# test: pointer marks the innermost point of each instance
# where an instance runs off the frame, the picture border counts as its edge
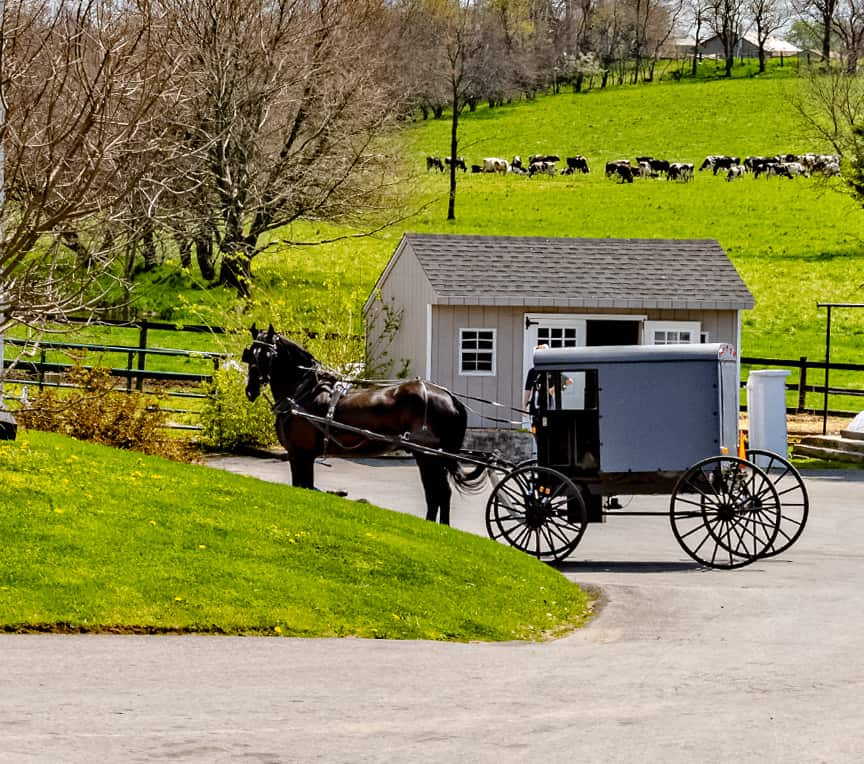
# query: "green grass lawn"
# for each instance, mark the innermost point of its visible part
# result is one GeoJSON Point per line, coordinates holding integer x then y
{"type": "Point", "coordinates": [98, 539]}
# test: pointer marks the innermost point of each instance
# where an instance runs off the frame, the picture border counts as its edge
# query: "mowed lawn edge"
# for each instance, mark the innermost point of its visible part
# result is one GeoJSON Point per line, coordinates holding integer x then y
{"type": "Point", "coordinates": [104, 540]}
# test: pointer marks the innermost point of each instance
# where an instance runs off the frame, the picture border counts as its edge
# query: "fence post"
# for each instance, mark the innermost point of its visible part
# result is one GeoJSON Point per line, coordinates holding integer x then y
{"type": "Point", "coordinates": [42, 356]}
{"type": "Point", "coordinates": [142, 344]}
{"type": "Point", "coordinates": [802, 384]}
{"type": "Point", "coordinates": [129, 357]}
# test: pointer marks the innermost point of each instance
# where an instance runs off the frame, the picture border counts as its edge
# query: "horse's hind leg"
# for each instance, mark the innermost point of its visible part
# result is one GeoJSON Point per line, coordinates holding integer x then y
{"type": "Point", "coordinates": [303, 471]}
{"type": "Point", "coordinates": [433, 475]}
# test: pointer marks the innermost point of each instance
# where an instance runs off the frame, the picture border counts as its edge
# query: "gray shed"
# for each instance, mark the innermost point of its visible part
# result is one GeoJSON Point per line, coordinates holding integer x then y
{"type": "Point", "coordinates": [470, 310]}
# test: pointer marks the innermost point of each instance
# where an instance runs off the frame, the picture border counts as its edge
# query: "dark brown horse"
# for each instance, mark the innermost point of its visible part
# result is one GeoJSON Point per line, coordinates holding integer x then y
{"type": "Point", "coordinates": [414, 412]}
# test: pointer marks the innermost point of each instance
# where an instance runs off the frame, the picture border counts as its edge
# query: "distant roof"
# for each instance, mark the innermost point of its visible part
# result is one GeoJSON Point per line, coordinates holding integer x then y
{"type": "Point", "coordinates": [773, 45]}
{"type": "Point", "coordinates": [569, 272]}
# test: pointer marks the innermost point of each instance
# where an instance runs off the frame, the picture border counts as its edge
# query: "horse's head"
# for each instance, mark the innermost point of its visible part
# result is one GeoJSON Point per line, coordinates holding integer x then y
{"type": "Point", "coordinates": [273, 357]}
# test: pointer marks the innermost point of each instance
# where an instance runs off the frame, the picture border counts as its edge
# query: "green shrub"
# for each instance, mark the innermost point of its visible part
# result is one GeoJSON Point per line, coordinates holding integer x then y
{"type": "Point", "coordinates": [96, 412]}
{"type": "Point", "coordinates": [229, 420]}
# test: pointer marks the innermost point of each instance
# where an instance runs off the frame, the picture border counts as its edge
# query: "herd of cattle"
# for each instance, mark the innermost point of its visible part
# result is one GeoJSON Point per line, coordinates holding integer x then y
{"type": "Point", "coordinates": [625, 171]}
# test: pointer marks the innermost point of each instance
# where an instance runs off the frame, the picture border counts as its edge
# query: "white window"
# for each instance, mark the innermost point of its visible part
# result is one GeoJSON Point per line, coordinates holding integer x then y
{"type": "Point", "coordinates": [671, 332]}
{"type": "Point", "coordinates": [477, 352]}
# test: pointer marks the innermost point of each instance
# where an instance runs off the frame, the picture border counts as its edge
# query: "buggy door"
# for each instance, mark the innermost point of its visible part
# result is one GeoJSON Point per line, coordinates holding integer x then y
{"type": "Point", "coordinates": [568, 428]}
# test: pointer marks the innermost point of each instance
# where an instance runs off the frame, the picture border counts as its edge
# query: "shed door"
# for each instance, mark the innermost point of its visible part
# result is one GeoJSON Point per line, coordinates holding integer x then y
{"type": "Point", "coordinates": [556, 331]}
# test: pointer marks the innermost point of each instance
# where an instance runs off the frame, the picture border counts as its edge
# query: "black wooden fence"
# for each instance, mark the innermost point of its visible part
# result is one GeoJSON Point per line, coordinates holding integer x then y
{"type": "Point", "coordinates": [134, 374]}
{"type": "Point", "coordinates": [803, 384]}
{"type": "Point", "coordinates": [42, 373]}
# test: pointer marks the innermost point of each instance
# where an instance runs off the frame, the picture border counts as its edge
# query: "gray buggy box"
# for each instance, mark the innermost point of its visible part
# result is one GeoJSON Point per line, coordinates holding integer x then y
{"type": "Point", "coordinates": [656, 408]}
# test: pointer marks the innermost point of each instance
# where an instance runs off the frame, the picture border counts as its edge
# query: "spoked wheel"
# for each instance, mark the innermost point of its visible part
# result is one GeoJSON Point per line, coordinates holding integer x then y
{"type": "Point", "coordinates": [725, 512]}
{"type": "Point", "coordinates": [537, 510]}
{"type": "Point", "coordinates": [794, 502]}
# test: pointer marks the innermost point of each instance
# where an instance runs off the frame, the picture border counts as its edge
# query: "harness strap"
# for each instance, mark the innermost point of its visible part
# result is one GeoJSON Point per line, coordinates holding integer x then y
{"type": "Point", "coordinates": [339, 389]}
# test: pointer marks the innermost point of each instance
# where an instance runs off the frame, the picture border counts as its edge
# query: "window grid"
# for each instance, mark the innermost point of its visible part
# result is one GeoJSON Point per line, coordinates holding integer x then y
{"type": "Point", "coordinates": [556, 336]}
{"type": "Point", "coordinates": [477, 352]}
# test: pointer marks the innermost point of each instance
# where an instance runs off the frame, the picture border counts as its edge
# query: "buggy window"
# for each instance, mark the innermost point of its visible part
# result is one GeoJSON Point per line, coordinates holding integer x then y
{"type": "Point", "coordinates": [571, 390]}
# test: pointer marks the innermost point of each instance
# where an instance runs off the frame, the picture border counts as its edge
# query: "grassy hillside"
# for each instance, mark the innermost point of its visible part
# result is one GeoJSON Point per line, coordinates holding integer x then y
{"type": "Point", "coordinates": [99, 539]}
{"type": "Point", "coordinates": [794, 242]}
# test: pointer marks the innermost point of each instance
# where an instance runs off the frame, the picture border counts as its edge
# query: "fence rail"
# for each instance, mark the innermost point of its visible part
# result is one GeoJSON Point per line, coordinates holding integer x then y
{"type": "Point", "coordinates": [44, 373]}
{"type": "Point", "coordinates": [802, 386]}
{"type": "Point", "coordinates": [135, 373]}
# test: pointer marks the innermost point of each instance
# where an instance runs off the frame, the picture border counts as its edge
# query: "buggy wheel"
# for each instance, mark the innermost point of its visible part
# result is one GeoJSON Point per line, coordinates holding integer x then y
{"type": "Point", "coordinates": [794, 502]}
{"type": "Point", "coordinates": [538, 511]}
{"type": "Point", "coordinates": [725, 512]}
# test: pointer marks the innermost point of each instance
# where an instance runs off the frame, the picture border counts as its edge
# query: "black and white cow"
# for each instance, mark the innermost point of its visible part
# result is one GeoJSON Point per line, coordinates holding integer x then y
{"type": "Point", "coordinates": [459, 162]}
{"type": "Point", "coordinates": [544, 167]}
{"type": "Point", "coordinates": [735, 171]}
{"type": "Point", "coordinates": [576, 164]}
{"type": "Point", "coordinates": [434, 163]}
{"type": "Point", "coordinates": [621, 169]}
{"type": "Point", "coordinates": [683, 171]}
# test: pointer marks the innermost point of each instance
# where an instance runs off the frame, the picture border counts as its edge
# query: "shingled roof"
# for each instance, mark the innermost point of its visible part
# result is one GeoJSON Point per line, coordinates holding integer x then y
{"type": "Point", "coordinates": [588, 273]}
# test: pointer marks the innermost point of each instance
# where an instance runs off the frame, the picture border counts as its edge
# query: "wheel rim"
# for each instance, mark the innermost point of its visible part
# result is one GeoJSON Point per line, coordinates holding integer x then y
{"type": "Point", "coordinates": [538, 511]}
{"type": "Point", "coordinates": [725, 512]}
{"type": "Point", "coordinates": [794, 501]}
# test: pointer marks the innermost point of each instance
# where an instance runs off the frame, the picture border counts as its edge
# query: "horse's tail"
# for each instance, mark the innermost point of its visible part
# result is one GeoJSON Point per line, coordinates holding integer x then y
{"type": "Point", "coordinates": [465, 481]}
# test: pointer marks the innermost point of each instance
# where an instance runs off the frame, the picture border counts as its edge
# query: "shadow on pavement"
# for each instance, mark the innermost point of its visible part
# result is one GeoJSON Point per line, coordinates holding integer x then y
{"type": "Point", "coordinates": [621, 566]}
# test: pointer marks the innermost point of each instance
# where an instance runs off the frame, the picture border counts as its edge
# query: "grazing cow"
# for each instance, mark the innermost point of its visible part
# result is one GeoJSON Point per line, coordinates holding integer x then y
{"type": "Point", "coordinates": [735, 171]}
{"type": "Point", "coordinates": [659, 166]}
{"type": "Point", "coordinates": [494, 164]}
{"type": "Point", "coordinates": [751, 162]}
{"type": "Point", "coordinates": [434, 163]}
{"type": "Point", "coordinates": [543, 158]}
{"type": "Point", "coordinates": [682, 171]}
{"type": "Point", "coordinates": [644, 169]}
{"type": "Point", "coordinates": [830, 169]}
{"type": "Point", "coordinates": [717, 162]}
{"type": "Point", "coordinates": [518, 170]}
{"type": "Point", "coordinates": [786, 169]}
{"type": "Point", "coordinates": [535, 168]}
{"type": "Point", "coordinates": [621, 169]}
{"type": "Point", "coordinates": [459, 162]}
{"type": "Point", "coordinates": [724, 163]}
{"type": "Point", "coordinates": [475, 168]}
{"type": "Point", "coordinates": [763, 167]}
{"type": "Point", "coordinates": [576, 164]}
{"type": "Point", "coordinates": [517, 162]}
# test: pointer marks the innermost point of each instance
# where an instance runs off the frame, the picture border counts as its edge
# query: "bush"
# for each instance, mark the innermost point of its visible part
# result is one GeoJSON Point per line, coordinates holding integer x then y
{"type": "Point", "coordinates": [229, 420]}
{"type": "Point", "coordinates": [99, 413]}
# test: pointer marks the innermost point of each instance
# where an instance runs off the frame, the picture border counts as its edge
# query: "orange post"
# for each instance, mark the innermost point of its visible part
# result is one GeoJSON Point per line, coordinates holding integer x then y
{"type": "Point", "coordinates": [742, 445]}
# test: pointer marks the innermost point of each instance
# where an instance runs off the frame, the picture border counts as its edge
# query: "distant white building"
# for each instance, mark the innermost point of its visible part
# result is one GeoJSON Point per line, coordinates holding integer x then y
{"type": "Point", "coordinates": [748, 47]}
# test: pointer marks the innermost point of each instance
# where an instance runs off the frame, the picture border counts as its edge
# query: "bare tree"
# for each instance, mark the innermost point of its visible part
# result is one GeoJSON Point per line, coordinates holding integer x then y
{"type": "Point", "coordinates": [821, 13]}
{"type": "Point", "coordinates": [848, 23]}
{"type": "Point", "coordinates": [283, 103]}
{"type": "Point", "coordinates": [81, 85]}
{"type": "Point", "coordinates": [725, 20]}
{"type": "Point", "coordinates": [767, 16]}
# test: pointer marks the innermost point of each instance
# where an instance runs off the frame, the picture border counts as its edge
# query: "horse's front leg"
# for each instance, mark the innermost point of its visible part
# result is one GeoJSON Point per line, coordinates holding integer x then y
{"type": "Point", "coordinates": [303, 472]}
{"type": "Point", "coordinates": [436, 486]}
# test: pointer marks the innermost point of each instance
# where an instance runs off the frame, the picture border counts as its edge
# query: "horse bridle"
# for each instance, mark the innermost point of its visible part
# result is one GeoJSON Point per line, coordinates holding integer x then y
{"type": "Point", "coordinates": [263, 376]}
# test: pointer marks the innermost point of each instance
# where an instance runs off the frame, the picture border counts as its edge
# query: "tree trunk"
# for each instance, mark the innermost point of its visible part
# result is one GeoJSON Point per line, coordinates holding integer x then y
{"type": "Point", "coordinates": [148, 241]}
{"type": "Point", "coordinates": [236, 269]}
{"type": "Point", "coordinates": [454, 144]}
{"type": "Point", "coordinates": [761, 59]}
{"type": "Point", "coordinates": [826, 43]}
{"type": "Point", "coordinates": [204, 254]}
{"type": "Point", "coordinates": [184, 249]}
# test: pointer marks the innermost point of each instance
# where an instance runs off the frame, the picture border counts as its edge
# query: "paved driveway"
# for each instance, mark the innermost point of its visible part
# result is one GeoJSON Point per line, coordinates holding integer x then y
{"type": "Point", "coordinates": [683, 664]}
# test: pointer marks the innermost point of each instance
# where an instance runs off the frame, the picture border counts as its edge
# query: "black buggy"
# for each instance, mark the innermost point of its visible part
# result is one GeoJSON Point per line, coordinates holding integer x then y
{"type": "Point", "coordinates": [614, 421]}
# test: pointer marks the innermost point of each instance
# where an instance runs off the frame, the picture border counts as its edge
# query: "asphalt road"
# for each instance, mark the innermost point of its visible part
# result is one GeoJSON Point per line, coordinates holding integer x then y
{"type": "Point", "coordinates": [682, 664]}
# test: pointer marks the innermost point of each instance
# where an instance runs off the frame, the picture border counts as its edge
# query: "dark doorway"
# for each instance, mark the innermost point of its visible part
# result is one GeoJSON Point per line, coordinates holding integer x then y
{"type": "Point", "coordinates": [612, 333]}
